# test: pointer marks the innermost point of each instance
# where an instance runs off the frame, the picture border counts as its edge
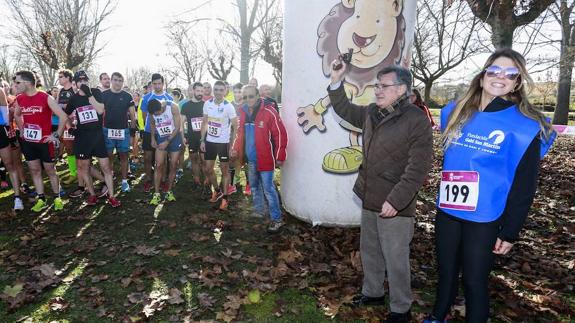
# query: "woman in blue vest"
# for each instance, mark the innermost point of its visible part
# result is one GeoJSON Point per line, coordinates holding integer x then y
{"type": "Point", "coordinates": [493, 140]}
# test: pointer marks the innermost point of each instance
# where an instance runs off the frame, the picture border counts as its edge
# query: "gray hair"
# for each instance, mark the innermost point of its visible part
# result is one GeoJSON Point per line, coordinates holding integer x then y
{"type": "Point", "coordinates": [402, 75]}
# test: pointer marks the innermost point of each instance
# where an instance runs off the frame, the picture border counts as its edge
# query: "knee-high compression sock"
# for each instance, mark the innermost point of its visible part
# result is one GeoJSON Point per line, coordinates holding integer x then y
{"type": "Point", "coordinates": [72, 165]}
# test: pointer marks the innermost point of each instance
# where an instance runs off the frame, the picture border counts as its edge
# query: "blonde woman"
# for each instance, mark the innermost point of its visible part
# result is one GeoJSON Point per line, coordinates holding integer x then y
{"type": "Point", "coordinates": [493, 140]}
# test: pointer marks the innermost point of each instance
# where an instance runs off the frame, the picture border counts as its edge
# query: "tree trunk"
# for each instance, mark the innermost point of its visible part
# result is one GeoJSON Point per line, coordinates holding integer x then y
{"type": "Point", "coordinates": [427, 91]}
{"type": "Point", "coordinates": [566, 62]}
{"type": "Point", "coordinates": [502, 34]}
{"type": "Point", "coordinates": [245, 60]}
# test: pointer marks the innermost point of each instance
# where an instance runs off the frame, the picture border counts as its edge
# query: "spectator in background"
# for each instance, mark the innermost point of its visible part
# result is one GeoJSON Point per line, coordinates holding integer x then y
{"type": "Point", "coordinates": [207, 91]}
{"type": "Point", "coordinates": [253, 82]}
{"type": "Point", "coordinates": [229, 93]}
{"type": "Point", "coordinates": [265, 92]}
{"type": "Point", "coordinates": [418, 101]}
{"type": "Point", "coordinates": [104, 82]}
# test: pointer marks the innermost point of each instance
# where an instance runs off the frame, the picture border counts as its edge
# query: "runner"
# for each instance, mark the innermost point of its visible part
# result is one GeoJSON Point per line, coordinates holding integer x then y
{"type": "Point", "coordinates": [157, 93]}
{"type": "Point", "coordinates": [219, 117]}
{"type": "Point", "coordinates": [166, 138]}
{"type": "Point", "coordinates": [207, 91]}
{"type": "Point", "coordinates": [6, 150]}
{"type": "Point", "coordinates": [33, 114]}
{"type": "Point", "coordinates": [104, 82]}
{"type": "Point", "coordinates": [118, 105]}
{"type": "Point", "coordinates": [67, 91]}
{"type": "Point", "coordinates": [89, 137]}
{"type": "Point", "coordinates": [193, 111]}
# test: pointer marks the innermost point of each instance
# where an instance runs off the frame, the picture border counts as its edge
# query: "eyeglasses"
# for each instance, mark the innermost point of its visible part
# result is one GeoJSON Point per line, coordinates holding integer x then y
{"type": "Point", "coordinates": [379, 86]}
{"type": "Point", "coordinates": [511, 73]}
{"type": "Point", "coordinates": [251, 96]}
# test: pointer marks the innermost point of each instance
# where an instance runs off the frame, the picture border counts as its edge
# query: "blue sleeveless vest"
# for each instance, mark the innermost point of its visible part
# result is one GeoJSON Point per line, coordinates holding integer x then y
{"type": "Point", "coordinates": [4, 121]}
{"type": "Point", "coordinates": [479, 167]}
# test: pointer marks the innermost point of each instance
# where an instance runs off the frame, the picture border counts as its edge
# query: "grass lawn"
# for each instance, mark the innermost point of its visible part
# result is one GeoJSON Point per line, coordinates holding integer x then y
{"type": "Point", "coordinates": [163, 264]}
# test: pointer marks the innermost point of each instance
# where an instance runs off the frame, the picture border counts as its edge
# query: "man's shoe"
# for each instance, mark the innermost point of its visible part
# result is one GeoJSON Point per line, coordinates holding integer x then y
{"type": "Point", "coordinates": [125, 187]}
{"type": "Point", "coordinates": [362, 300]}
{"type": "Point", "coordinates": [170, 197]}
{"type": "Point", "coordinates": [69, 180]}
{"type": "Point", "coordinates": [231, 189]}
{"type": "Point", "coordinates": [18, 205]}
{"type": "Point", "coordinates": [147, 187]}
{"type": "Point", "coordinates": [92, 200]}
{"type": "Point", "coordinates": [275, 226]}
{"type": "Point", "coordinates": [77, 193]}
{"type": "Point", "coordinates": [155, 199]}
{"type": "Point", "coordinates": [58, 204]}
{"type": "Point", "coordinates": [114, 202]}
{"type": "Point", "coordinates": [223, 205]}
{"type": "Point", "coordinates": [103, 192]}
{"type": "Point", "coordinates": [216, 196]}
{"type": "Point", "coordinates": [398, 317]}
{"type": "Point", "coordinates": [40, 204]}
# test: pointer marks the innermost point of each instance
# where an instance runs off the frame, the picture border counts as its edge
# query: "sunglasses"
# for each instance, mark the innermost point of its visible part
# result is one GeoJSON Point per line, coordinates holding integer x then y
{"type": "Point", "coordinates": [251, 96]}
{"type": "Point", "coordinates": [511, 73]}
{"type": "Point", "coordinates": [379, 86]}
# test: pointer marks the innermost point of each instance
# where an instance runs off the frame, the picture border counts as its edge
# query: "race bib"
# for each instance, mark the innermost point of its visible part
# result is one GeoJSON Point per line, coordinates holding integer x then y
{"type": "Point", "coordinates": [116, 134]}
{"type": "Point", "coordinates": [165, 130]}
{"type": "Point", "coordinates": [214, 129]}
{"type": "Point", "coordinates": [87, 114]}
{"type": "Point", "coordinates": [67, 136]}
{"type": "Point", "coordinates": [459, 190]}
{"type": "Point", "coordinates": [196, 124]}
{"type": "Point", "coordinates": [32, 133]}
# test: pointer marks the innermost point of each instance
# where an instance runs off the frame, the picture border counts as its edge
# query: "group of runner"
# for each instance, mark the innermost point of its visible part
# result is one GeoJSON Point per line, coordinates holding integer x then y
{"type": "Point", "coordinates": [106, 123]}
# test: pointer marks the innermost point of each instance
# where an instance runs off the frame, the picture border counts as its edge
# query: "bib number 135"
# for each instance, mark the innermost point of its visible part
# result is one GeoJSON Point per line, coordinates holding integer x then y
{"type": "Point", "coordinates": [459, 190]}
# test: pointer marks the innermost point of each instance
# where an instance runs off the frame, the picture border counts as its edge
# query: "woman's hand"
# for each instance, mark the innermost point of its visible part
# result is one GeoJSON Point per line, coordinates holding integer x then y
{"type": "Point", "coordinates": [502, 247]}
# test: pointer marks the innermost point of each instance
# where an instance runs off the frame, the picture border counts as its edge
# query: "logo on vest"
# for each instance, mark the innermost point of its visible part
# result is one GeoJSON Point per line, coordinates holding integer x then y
{"type": "Point", "coordinates": [32, 110]}
{"type": "Point", "coordinates": [498, 135]}
{"type": "Point", "coordinates": [489, 144]}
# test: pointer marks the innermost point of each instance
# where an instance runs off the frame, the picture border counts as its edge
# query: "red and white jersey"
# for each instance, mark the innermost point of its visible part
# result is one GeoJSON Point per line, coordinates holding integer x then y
{"type": "Point", "coordinates": [36, 116]}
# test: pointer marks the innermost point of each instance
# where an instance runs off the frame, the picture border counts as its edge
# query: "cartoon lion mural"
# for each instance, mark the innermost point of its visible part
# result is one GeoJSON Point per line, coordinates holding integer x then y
{"type": "Point", "coordinates": [375, 30]}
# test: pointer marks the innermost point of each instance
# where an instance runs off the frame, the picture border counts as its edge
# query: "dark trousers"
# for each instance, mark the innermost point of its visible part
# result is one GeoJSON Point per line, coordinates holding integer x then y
{"type": "Point", "coordinates": [465, 247]}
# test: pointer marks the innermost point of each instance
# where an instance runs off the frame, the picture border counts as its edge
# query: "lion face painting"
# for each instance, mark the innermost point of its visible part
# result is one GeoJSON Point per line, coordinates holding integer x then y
{"type": "Point", "coordinates": [374, 29]}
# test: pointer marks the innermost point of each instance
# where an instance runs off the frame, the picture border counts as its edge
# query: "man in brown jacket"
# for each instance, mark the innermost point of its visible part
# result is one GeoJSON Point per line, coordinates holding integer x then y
{"type": "Point", "coordinates": [397, 156]}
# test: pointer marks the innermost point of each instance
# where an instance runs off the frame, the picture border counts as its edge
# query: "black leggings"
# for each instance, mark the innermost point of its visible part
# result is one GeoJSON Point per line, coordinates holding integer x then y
{"type": "Point", "coordinates": [467, 247]}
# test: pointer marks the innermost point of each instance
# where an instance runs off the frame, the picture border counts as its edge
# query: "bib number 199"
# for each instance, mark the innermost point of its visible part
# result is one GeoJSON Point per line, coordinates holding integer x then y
{"type": "Point", "coordinates": [459, 190]}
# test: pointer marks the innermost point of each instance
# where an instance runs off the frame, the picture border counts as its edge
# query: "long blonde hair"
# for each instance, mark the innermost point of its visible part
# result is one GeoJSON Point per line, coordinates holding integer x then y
{"type": "Point", "coordinates": [469, 103]}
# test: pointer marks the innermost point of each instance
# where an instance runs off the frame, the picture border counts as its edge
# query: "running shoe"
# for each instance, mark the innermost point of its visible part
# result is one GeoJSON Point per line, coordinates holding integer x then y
{"type": "Point", "coordinates": [147, 187]}
{"type": "Point", "coordinates": [114, 202]}
{"type": "Point", "coordinates": [58, 204]}
{"type": "Point", "coordinates": [79, 192]}
{"type": "Point", "coordinates": [216, 196]}
{"type": "Point", "coordinates": [4, 185]}
{"type": "Point", "coordinates": [18, 205]}
{"type": "Point", "coordinates": [248, 190]}
{"type": "Point", "coordinates": [40, 204]}
{"type": "Point", "coordinates": [92, 200]}
{"type": "Point", "coordinates": [275, 226]}
{"type": "Point", "coordinates": [231, 189]}
{"type": "Point", "coordinates": [125, 187]}
{"type": "Point", "coordinates": [155, 199]}
{"type": "Point", "coordinates": [170, 196]}
{"type": "Point", "coordinates": [179, 174]}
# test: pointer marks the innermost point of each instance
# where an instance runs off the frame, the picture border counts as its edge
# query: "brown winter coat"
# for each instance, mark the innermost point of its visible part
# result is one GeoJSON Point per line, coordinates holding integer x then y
{"type": "Point", "coordinates": [397, 153]}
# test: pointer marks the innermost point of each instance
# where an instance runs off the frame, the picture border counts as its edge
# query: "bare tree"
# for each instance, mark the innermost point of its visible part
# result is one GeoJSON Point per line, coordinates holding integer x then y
{"type": "Point", "coordinates": [184, 51]}
{"type": "Point", "coordinates": [271, 43]}
{"type": "Point", "coordinates": [220, 61]}
{"type": "Point", "coordinates": [563, 13]}
{"type": "Point", "coordinates": [445, 36]}
{"type": "Point", "coordinates": [504, 16]}
{"type": "Point", "coordinates": [60, 33]}
{"type": "Point", "coordinates": [137, 77]}
{"type": "Point", "coordinates": [251, 15]}
{"type": "Point", "coordinates": [545, 88]}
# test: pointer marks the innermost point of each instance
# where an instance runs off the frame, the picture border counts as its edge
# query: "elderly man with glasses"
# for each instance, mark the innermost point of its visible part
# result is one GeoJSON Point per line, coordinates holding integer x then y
{"type": "Point", "coordinates": [397, 156]}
